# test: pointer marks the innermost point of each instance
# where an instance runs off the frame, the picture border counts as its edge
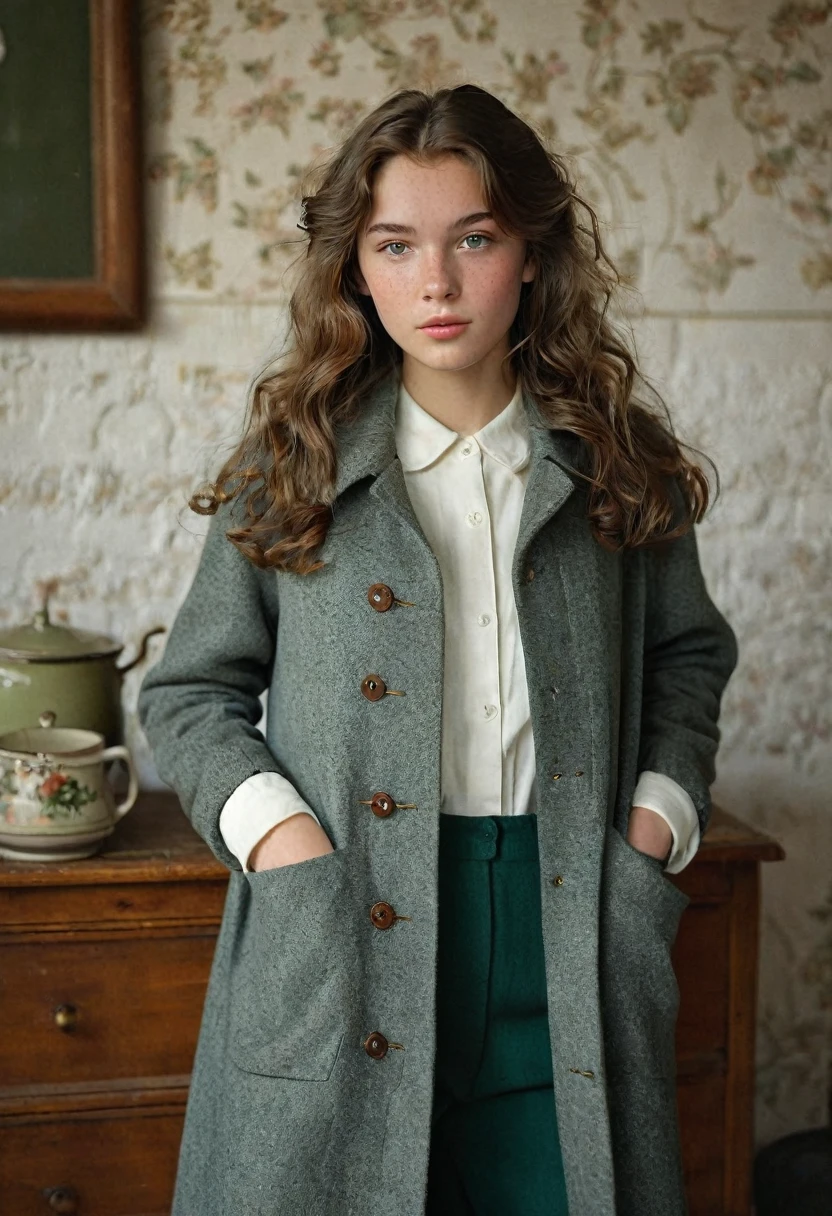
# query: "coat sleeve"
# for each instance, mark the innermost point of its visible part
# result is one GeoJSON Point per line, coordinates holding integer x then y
{"type": "Point", "coordinates": [690, 651]}
{"type": "Point", "coordinates": [200, 704]}
{"type": "Point", "coordinates": [258, 805]}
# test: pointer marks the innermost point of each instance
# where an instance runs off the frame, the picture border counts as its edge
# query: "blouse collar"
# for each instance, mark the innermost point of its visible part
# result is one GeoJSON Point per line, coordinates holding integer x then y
{"type": "Point", "coordinates": [421, 439]}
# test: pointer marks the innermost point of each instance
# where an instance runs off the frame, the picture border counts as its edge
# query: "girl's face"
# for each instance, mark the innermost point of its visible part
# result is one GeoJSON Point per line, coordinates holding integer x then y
{"type": "Point", "coordinates": [429, 248]}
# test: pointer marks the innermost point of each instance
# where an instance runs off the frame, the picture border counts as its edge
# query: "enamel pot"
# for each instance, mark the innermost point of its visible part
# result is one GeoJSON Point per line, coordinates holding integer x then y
{"type": "Point", "coordinates": [70, 673]}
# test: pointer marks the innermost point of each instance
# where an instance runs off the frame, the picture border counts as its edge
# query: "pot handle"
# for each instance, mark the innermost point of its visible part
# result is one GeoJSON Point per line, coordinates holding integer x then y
{"type": "Point", "coordinates": [142, 649]}
{"type": "Point", "coordinates": [121, 753]}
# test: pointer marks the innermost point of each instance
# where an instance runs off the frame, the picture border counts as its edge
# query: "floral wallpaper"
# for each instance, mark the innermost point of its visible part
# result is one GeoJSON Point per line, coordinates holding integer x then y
{"type": "Point", "coordinates": [241, 97]}
{"type": "Point", "coordinates": [701, 133]}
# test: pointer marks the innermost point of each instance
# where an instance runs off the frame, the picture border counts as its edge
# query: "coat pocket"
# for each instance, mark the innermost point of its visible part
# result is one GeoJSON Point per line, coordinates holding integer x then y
{"type": "Point", "coordinates": [295, 969]}
{"type": "Point", "coordinates": [640, 912]}
{"type": "Point", "coordinates": [647, 877]}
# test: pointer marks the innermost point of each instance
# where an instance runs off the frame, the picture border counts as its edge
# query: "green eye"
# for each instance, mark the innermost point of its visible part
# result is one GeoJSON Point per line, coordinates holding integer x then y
{"type": "Point", "coordinates": [472, 236]}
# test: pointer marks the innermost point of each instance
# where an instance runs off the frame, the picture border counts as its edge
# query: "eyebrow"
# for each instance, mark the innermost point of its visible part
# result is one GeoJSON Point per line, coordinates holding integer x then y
{"type": "Point", "coordinates": [405, 230]}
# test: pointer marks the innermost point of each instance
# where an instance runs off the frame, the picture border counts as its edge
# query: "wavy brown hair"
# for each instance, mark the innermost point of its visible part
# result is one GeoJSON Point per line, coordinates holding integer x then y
{"type": "Point", "coordinates": [572, 360]}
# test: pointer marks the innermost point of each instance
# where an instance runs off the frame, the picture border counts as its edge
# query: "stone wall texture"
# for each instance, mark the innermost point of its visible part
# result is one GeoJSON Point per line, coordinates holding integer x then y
{"type": "Point", "coordinates": [701, 133]}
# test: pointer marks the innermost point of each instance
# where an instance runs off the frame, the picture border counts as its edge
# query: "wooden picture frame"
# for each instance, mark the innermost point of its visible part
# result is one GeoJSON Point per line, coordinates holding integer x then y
{"type": "Point", "coordinates": [71, 244]}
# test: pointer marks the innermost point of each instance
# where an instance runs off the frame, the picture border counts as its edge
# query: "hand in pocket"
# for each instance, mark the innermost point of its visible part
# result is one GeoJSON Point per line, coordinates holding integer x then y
{"type": "Point", "coordinates": [649, 832]}
{"type": "Point", "coordinates": [298, 838]}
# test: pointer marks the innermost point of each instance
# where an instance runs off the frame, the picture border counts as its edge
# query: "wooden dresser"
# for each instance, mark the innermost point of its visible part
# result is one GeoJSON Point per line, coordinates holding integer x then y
{"type": "Point", "coordinates": [103, 968]}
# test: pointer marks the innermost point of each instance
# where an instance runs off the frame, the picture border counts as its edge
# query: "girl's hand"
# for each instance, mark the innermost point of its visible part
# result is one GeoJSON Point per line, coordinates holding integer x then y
{"type": "Point", "coordinates": [297, 838]}
{"type": "Point", "coordinates": [648, 832]}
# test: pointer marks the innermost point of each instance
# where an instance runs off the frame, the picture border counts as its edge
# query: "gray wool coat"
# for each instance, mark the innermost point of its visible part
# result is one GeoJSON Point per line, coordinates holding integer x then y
{"type": "Point", "coordinates": [626, 658]}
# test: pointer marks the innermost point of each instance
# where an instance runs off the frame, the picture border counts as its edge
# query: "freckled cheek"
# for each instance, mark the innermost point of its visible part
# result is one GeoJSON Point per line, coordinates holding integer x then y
{"type": "Point", "coordinates": [495, 288]}
{"type": "Point", "coordinates": [393, 287]}
{"type": "Point", "coordinates": [391, 293]}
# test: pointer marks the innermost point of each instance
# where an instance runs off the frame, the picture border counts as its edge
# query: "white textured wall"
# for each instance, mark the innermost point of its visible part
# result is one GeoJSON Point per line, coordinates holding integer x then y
{"type": "Point", "coordinates": [701, 133]}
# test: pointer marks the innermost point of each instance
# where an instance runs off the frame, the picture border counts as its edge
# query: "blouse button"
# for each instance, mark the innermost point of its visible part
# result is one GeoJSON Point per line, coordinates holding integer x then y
{"type": "Point", "coordinates": [373, 687]}
{"type": "Point", "coordinates": [474, 518]}
{"type": "Point", "coordinates": [380, 597]}
{"type": "Point", "coordinates": [483, 618]}
{"type": "Point", "coordinates": [382, 805]}
{"type": "Point", "coordinates": [375, 1045]}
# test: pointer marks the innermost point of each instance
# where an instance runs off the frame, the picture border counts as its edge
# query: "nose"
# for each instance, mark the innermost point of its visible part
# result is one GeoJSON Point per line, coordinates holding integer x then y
{"type": "Point", "coordinates": [439, 277]}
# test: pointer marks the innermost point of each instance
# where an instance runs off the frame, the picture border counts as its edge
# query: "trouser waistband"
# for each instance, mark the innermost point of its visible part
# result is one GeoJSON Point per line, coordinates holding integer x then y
{"type": "Point", "coordinates": [487, 837]}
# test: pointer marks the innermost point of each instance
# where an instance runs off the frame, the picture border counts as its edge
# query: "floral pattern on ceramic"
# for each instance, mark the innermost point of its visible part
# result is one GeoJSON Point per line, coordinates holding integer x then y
{"type": "Point", "coordinates": [42, 793]}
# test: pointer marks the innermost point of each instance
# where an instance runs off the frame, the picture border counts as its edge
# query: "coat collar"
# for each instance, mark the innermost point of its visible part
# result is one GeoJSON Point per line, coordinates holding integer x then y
{"type": "Point", "coordinates": [367, 448]}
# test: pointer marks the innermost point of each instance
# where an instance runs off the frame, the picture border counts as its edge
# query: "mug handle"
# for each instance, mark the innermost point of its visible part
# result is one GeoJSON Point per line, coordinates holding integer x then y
{"type": "Point", "coordinates": [121, 753]}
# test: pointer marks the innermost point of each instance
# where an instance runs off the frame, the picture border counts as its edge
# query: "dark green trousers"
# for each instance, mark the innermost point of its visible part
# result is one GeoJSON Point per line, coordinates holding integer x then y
{"type": "Point", "coordinates": [494, 1140]}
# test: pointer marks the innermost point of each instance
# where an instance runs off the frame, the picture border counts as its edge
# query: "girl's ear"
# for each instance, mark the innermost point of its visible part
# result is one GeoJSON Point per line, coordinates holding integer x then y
{"type": "Point", "coordinates": [529, 269]}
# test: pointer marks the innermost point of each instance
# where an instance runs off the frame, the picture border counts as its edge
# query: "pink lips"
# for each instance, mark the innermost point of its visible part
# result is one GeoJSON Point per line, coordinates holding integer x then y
{"type": "Point", "coordinates": [444, 331]}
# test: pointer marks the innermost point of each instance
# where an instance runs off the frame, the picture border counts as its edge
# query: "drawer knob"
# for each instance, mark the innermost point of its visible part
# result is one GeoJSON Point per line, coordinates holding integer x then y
{"type": "Point", "coordinates": [66, 1016]}
{"type": "Point", "coordinates": [62, 1199]}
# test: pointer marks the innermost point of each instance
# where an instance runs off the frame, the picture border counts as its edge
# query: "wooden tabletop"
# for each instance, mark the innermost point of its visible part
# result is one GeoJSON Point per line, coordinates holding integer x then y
{"type": "Point", "coordinates": [154, 842]}
{"type": "Point", "coordinates": [729, 838]}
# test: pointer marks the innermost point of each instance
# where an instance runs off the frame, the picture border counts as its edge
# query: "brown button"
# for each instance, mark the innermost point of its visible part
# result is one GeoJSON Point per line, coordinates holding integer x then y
{"type": "Point", "coordinates": [375, 1045]}
{"type": "Point", "coordinates": [382, 915]}
{"type": "Point", "coordinates": [373, 687]}
{"type": "Point", "coordinates": [380, 597]}
{"type": "Point", "coordinates": [530, 574]}
{"type": "Point", "coordinates": [382, 805]}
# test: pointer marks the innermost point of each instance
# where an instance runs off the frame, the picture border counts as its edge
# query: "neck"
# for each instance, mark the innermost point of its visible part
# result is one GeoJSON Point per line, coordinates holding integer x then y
{"type": "Point", "coordinates": [464, 400]}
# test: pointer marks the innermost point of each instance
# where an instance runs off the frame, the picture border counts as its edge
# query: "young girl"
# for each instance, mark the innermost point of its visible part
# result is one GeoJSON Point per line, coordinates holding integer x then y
{"type": "Point", "coordinates": [460, 556]}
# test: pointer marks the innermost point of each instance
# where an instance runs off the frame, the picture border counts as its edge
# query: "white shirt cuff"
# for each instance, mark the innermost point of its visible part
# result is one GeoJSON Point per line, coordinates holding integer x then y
{"type": "Point", "coordinates": [666, 797]}
{"type": "Point", "coordinates": [254, 808]}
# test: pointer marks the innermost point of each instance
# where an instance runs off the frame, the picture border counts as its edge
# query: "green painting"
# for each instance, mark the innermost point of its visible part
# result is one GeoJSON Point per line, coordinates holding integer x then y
{"type": "Point", "coordinates": [46, 187]}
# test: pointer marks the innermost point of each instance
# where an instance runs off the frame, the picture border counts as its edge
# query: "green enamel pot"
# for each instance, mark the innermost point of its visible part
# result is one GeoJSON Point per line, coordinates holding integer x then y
{"type": "Point", "coordinates": [72, 674]}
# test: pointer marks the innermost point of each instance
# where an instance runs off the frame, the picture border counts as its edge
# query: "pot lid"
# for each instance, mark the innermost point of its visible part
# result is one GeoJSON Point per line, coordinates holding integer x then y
{"type": "Point", "coordinates": [41, 641]}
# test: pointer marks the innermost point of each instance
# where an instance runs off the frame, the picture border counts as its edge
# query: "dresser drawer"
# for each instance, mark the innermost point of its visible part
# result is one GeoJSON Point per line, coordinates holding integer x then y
{"type": "Point", "coordinates": [81, 1009]}
{"type": "Point", "coordinates": [99, 1165]}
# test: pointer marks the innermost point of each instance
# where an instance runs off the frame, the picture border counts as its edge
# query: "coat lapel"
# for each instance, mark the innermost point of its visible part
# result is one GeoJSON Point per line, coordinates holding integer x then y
{"type": "Point", "coordinates": [551, 481]}
{"type": "Point", "coordinates": [368, 444]}
{"type": "Point", "coordinates": [367, 448]}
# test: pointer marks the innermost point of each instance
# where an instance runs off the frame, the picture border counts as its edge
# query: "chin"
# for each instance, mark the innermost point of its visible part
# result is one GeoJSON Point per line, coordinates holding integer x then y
{"type": "Point", "coordinates": [446, 357]}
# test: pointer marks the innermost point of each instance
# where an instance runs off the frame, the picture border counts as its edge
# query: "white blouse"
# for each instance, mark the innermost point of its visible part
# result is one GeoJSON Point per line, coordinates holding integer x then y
{"type": "Point", "coordinates": [467, 494]}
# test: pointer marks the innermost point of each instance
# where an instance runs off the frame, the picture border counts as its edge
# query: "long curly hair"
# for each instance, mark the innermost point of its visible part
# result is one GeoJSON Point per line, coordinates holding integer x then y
{"type": "Point", "coordinates": [572, 360]}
